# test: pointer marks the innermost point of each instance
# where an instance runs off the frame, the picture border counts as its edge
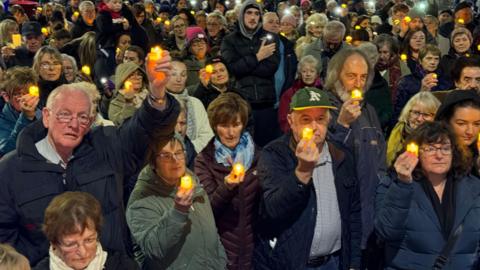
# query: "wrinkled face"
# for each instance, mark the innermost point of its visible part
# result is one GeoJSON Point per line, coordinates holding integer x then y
{"type": "Point", "coordinates": [181, 126]}
{"type": "Point", "coordinates": [50, 68]}
{"type": "Point", "coordinates": [78, 250]}
{"type": "Point", "coordinates": [114, 5]}
{"type": "Point", "coordinates": [179, 28]}
{"type": "Point", "coordinates": [170, 162]}
{"type": "Point", "coordinates": [199, 48]}
{"type": "Point", "coordinates": [354, 73]}
{"type": "Point", "coordinates": [316, 29]}
{"type": "Point", "coordinates": [68, 70]}
{"type": "Point", "coordinates": [178, 77]}
{"type": "Point", "coordinates": [469, 78]}
{"type": "Point", "coordinates": [251, 18]}
{"type": "Point", "coordinates": [384, 55]}
{"type": "Point", "coordinates": [230, 133]}
{"type": "Point", "coordinates": [418, 115]}
{"type": "Point", "coordinates": [89, 15]}
{"type": "Point", "coordinates": [430, 62]}
{"type": "Point", "coordinates": [308, 74]}
{"type": "Point", "coordinates": [461, 43]}
{"type": "Point", "coordinates": [220, 74]}
{"type": "Point", "coordinates": [436, 158]}
{"type": "Point", "coordinates": [124, 41]}
{"type": "Point", "coordinates": [132, 56]}
{"type": "Point", "coordinates": [286, 28]}
{"type": "Point", "coordinates": [332, 42]}
{"type": "Point", "coordinates": [271, 23]}
{"type": "Point", "coordinates": [314, 118]}
{"type": "Point", "coordinates": [466, 124]}
{"type": "Point", "coordinates": [68, 120]}
{"type": "Point", "coordinates": [213, 26]}
{"type": "Point", "coordinates": [417, 41]}
{"type": "Point", "coordinates": [33, 43]}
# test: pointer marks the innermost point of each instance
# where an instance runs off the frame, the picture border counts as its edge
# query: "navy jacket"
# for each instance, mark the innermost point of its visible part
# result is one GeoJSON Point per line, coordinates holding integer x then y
{"type": "Point", "coordinates": [288, 209]}
{"type": "Point", "coordinates": [406, 220]}
{"type": "Point", "coordinates": [11, 123]}
{"type": "Point", "coordinates": [105, 157]}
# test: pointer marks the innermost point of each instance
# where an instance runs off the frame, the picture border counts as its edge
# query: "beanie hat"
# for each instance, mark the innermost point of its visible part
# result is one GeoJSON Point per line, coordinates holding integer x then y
{"type": "Point", "coordinates": [124, 70]}
{"type": "Point", "coordinates": [195, 32]}
{"type": "Point", "coordinates": [290, 19]}
{"type": "Point", "coordinates": [305, 2]}
{"type": "Point", "coordinates": [462, 5]}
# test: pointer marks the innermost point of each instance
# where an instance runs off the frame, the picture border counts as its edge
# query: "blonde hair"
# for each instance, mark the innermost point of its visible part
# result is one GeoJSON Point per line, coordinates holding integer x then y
{"type": "Point", "coordinates": [4, 26]}
{"type": "Point", "coordinates": [10, 259]}
{"type": "Point", "coordinates": [427, 99]}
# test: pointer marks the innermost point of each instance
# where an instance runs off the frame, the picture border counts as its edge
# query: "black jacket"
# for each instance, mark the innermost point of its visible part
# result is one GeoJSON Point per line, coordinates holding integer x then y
{"type": "Point", "coordinates": [290, 63]}
{"type": "Point", "coordinates": [23, 57]}
{"type": "Point", "coordinates": [80, 28]}
{"type": "Point", "coordinates": [105, 157]}
{"type": "Point", "coordinates": [254, 80]}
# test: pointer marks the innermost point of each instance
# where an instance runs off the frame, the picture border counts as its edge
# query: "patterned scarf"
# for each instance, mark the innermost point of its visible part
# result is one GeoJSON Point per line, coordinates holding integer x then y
{"type": "Point", "coordinates": [98, 263]}
{"type": "Point", "coordinates": [243, 152]}
{"type": "Point", "coordinates": [394, 74]}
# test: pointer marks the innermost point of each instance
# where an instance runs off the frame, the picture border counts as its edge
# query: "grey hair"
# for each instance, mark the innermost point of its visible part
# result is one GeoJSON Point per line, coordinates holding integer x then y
{"type": "Point", "coordinates": [334, 28]}
{"type": "Point", "coordinates": [85, 4]}
{"type": "Point", "coordinates": [369, 49]}
{"type": "Point", "coordinates": [427, 99]}
{"type": "Point", "coordinates": [307, 60]}
{"type": "Point", "coordinates": [72, 60]}
{"type": "Point", "coordinates": [65, 89]}
{"type": "Point", "coordinates": [336, 64]}
{"type": "Point", "coordinates": [217, 15]}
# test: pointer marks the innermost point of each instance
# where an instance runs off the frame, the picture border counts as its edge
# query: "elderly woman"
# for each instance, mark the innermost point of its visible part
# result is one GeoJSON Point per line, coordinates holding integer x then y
{"type": "Point", "coordinates": [70, 69]}
{"type": "Point", "coordinates": [131, 89]}
{"type": "Point", "coordinates": [197, 130]}
{"type": "Point", "coordinates": [419, 109]}
{"type": "Point", "coordinates": [429, 197]}
{"type": "Point", "coordinates": [461, 112]}
{"type": "Point", "coordinates": [314, 29]}
{"type": "Point", "coordinates": [460, 45]}
{"type": "Point", "coordinates": [307, 75]}
{"type": "Point", "coordinates": [72, 224]}
{"type": "Point", "coordinates": [234, 196]}
{"type": "Point", "coordinates": [172, 223]}
{"type": "Point", "coordinates": [10, 259]}
{"type": "Point", "coordinates": [48, 64]}
{"type": "Point", "coordinates": [212, 85]}
{"type": "Point", "coordinates": [426, 77]}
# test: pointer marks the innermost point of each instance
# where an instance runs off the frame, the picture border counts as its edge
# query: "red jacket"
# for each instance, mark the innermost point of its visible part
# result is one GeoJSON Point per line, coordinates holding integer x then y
{"type": "Point", "coordinates": [235, 210]}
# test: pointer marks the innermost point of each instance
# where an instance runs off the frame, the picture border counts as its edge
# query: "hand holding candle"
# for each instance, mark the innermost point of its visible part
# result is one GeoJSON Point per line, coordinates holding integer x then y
{"type": "Point", "coordinates": [186, 183]}
{"type": "Point", "coordinates": [16, 40]}
{"type": "Point", "coordinates": [357, 94]}
{"type": "Point", "coordinates": [158, 71]}
{"type": "Point", "coordinates": [307, 133]}
{"type": "Point", "coordinates": [183, 198]}
{"type": "Point", "coordinates": [153, 57]}
{"type": "Point", "coordinates": [34, 91]}
{"type": "Point", "coordinates": [236, 176]}
{"type": "Point", "coordinates": [412, 148]}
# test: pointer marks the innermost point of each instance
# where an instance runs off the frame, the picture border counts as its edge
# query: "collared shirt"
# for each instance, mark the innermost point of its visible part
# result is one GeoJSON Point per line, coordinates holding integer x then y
{"type": "Point", "coordinates": [47, 150]}
{"type": "Point", "coordinates": [328, 227]}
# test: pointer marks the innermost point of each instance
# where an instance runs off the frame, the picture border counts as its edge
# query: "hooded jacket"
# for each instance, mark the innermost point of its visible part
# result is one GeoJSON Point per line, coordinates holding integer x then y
{"type": "Point", "coordinates": [254, 79]}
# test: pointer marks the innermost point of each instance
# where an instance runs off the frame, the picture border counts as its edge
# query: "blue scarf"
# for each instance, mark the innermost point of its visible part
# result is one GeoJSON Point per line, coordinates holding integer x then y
{"type": "Point", "coordinates": [243, 152]}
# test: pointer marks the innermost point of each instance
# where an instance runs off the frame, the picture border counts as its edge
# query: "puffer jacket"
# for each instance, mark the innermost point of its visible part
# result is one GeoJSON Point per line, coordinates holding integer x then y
{"type": "Point", "coordinates": [235, 210]}
{"type": "Point", "coordinates": [168, 238]}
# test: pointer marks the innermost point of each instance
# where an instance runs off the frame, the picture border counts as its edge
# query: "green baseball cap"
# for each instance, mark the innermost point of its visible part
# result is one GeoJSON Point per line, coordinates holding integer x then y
{"type": "Point", "coordinates": [310, 97]}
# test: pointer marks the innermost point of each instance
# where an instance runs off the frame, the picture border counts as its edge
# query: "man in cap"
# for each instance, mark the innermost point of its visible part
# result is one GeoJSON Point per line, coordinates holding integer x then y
{"type": "Point", "coordinates": [32, 40]}
{"type": "Point", "coordinates": [310, 209]}
{"type": "Point", "coordinates": [252, 57]}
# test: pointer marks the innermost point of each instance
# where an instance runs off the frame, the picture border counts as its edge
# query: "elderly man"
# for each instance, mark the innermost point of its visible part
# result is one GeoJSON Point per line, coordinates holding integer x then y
{"type": "Point", "coordinates": [66, 155]}
{"type": "Point", "coordinates": [356, 126]}
{"type": "Point", "coordinates": [310, 204]}
{"type": "Point", "coordinates": [251, 56]}
{"type": "Point", "coordinates": [86, 22]}
{"type": "Point", "coordinates": [325, 48]}
{"type": "Point", "coordinates": [23, 56]}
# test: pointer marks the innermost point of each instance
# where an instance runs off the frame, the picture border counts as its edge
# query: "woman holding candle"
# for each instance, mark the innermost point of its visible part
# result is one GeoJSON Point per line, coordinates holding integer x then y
{"type": "Point", "coordinates": [461, 112]}
{"type": "Point", "coordinates": [424, 202]}
{"type": "Point", "coordinates": [197, 53]}
{"type": "Point", "coordinates": [419, 109]}
{"type": "Point", "coordinates": [173, 226]}
{"type": "Point", "coordinates": [227, 169]}
{"type": "Point", "coordinates": [131, 89]}
{"type": "Point", "coordinates": [412, 44]}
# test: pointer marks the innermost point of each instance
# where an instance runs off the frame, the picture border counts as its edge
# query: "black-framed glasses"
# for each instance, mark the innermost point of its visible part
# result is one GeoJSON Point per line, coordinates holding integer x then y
{"type": "Point", "coordinates": [431, 150]}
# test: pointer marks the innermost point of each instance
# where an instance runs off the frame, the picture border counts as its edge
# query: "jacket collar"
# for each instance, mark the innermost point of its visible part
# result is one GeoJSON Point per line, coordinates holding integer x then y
{"type": "Point", "coordinates": [337, 155]}
{"type": "Point", "coordinates": [9, 113]}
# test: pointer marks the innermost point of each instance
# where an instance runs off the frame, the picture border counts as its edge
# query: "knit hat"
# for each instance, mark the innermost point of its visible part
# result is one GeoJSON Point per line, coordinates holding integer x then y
{"type": "Point", "coordinates": [310, 97]}
{"type": "Point", "coordinates": [290, 19]}
{"type": "Point", "coordinates": [463, 5]}
{"type": "Point", "coordinates": [305, 2]}
{"type": "Point", "coordinates": [124, 70]}
{"type": "Point", "coordinates": [453, 98]}
{"type": "Point", "coordinates": [195, 32]}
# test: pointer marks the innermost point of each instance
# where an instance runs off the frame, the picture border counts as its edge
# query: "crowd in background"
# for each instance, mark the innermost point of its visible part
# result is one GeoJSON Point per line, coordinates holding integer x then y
{"type": "Point", "coordinates": [246, 134]}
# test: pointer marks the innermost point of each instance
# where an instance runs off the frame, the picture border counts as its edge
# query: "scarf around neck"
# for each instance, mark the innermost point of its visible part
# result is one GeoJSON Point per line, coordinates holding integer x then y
{"type": "Point", "coordinates": [98, 263]}
{"type": "Point", "coordinates": [243, 152]}
{"type": "Point", "coordinates": [191, 119]}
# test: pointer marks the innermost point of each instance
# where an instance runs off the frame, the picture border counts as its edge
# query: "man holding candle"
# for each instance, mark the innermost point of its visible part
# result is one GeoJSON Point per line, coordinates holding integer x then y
{"type": "Point", "coordinates": [310, 209]}
{"type": "Point", "coordinates": [23, 56]}
{"type": "Point", "coordinates": [62, 153]}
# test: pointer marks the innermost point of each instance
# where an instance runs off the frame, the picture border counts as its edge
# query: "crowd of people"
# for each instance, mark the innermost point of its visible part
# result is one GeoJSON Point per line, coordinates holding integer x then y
{"type": "Point", "coordinates": [247, 134]}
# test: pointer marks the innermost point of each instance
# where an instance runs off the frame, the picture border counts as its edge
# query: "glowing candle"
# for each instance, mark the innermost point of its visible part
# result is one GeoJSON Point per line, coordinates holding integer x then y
{"type": "Point", "coordinates": [155, 55]}
{"type": "Point", "coordinates": [33, 91]}
{"type": "Point", "coordinates": [403, 57]}
{"type": "Point", "coordinates": [357, 27]}
{"type": "Point", "coordinates": [167, 23]}
{"type": "Point", "coordinates": [356, 93]}
{"type": "Point", "coordinates": [478, 47]}
{"type": "Point", "coordinates": [434, 75]}
{"type": "Point", "coordinates": [16, 40]}
{"type": "Point", "coordinates": [238, 169]}
{"type": "Point", "coordinates": [461, 21]}
{"type": "Point", "coordinates": [407, 19]}
{"type": "Point", "coordinates": [76, 14]}
{"type": "Point", "coordinates": [128, 86]}
{"type": "Point", "coordinates": [412, 148]}
{"type": "Point", "coordinates": [117, 50]}
{"type": "Point", "coordinates": [186, 183]}
{"type": "Point", "coordinates": [478, 141]}
{"type": "Point", "coordinates": [192, 12]}
{"type": "Point", "coordinates": [159, 20]}
{"type": "Point", "coordinates": [209, 69]}
{"type": "Point", "coordinates": [348, 39]}
{"type": "Point", "coordinates": [283, 34]}
{"type": "Point", "coordinates": [86, 70]}
{"type": "Point", "coordinates": [396, 22]}
{"type": "Point", "coordinates": [467, 55]}
{"type": "Point", "coordinates": [344, 5]}
{"type": "Point", "coordinates": [39, 8]}
{"type": "Point", "coordinates": [307, 133]}
{"type": "Point", "coordinates": [44, 31]}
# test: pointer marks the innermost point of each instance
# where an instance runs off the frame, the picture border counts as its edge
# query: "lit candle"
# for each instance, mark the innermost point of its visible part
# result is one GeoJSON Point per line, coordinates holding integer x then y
{"type": "Point", "coordinates": [86, 70]}
{"type": "Point", "coordinates": [238, 169]}
{"type": "Point", "coordinates": [478, 47]}
{"type": "Point", "coordinates": [348, 39]}
{"type": "Point", "coordinates": [283, 34]}
{"type": "Point", "coordinates": [356, 93]}
{"type": "Point", "coordinates": [192, 12]}
{"type": "Point", "coordinates": [434, 75]}
{"type": "Point", "coordinates": [16, 40]}
{"type": "Point", "coordinates": [343, 5]}
{"type": "Point", "coordinates": [117, 50]}
{"type": "Point", "coordinates": [407, 19]}
{"type": "Point", "coordinates": [167, 23]}
{"type": "Point", "coordinates": [186, 183]}
{"type": "Point", "coordinates": [33, 91]}
{"type": "Point", "coordinates": [412, 148]}
{"type": "Point", "coordinates": [307, 133]}
{"type": "Point", "coordinates": [357, 27]}
{"type": "Point", "coordinates": [403, 57]}
{"type": "Point", "coordinates": [128, 86]}
{"type": "Point", "coordinates": [76, 14]}
{"type": "Point", "coordinates": [159, 20]}
{"type": "Point", "coordinates": [155, 55]}
{"type": "Point", "coordinates": [396, 22]}
{"type": "Point", "coordinates": [478, 141]}
{"type": "Point", "coordinates": [209, 69]}
{"type": "Point", "coordinates": [44, 31]}
{"type": "Point", "coordinates": [461, 21]}
{"type": "Point", "coordinates": [39, 8]}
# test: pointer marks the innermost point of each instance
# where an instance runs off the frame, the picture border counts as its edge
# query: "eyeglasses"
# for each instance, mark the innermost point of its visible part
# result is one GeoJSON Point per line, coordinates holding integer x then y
{"type": "Point", "coordinates": [50, 65]}
{"type": "Point", "coordinates": [179, 26]}
{"type": "Point", "coordinates": [416, 114]}
{"type": "Point", "coordinates": [65, 118]}
{"type": "Point", "coordinates": [431, 150]}
{"type": "Point", "coordinates": [74, 246]}
{"type": "Point", "coordinates": [180, 155]}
